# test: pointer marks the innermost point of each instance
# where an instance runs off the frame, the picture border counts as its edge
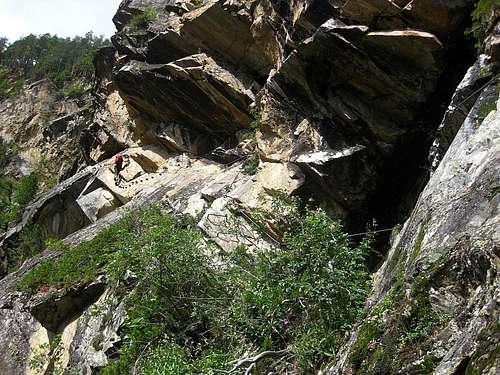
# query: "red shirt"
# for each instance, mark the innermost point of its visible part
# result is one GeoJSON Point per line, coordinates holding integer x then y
{"type": "Point", "coordinates": [118, 160]}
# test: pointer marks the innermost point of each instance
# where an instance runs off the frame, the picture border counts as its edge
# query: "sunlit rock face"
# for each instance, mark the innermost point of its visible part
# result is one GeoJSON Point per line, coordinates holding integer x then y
{"type": "Point", "coordinates": [45, 128]}
{"type": "Point", "coordinates": [446, 256]}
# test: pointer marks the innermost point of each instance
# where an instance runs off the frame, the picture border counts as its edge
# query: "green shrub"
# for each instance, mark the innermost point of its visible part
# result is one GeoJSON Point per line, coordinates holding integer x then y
{"type": "Point", "coordinates": [480, 21]}
{"type": "Point", "coordinates": [189, 314]}
{"type": "Point", "coordinates": [29, 243]}
{"type": "Point", "coordinates": [81, 263]}
{"type": "Point", "coordinates": [10, 88]}
{"type": "Point", "coordinates": [168, 358]}
{"type": "Point", "coordinates": [14, 196]}
{"type": "Point", "coordinates": [315, 279]}
{"type": "Point", "coordinates": [73, 90]}
{"type": "Point", "coordinates": [26, 189]}
{"type": "Point", "coordinates": [251, 164]}
{"type": "Point", "coordinates": [254, 125]}
{"type": "Point", "coordinates": [143, 19]}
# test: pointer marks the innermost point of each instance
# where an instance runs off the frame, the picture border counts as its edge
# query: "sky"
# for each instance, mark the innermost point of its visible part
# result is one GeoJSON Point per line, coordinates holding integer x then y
{"type": "Point", "coordinates": [66, 18]}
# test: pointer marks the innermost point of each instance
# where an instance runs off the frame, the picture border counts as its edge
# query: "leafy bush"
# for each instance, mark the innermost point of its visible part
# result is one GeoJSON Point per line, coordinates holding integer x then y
{"type": "Point", "coordinates": [309, 291]}
{"type": "Point", "coordinates": [8, 210]}
{"type": "Point", "coordinates": [480, 21]}
{"type": "Point", "coordinates": [30, 243]}
{"type": "Point", "coordinates": [26, 189]}
{"type": "Point", "coordinates": [81, 263]}
{"type": "Point", "coordinates": [253, 127]}
{"type": "Point", "coordinates": [10, 84]}
{"type": "Point", "coordinates": [73, 90]}
{"type": "Point", "coordinates": [143, 19]}
{"type": "Point", "coordinates": [167, 358]}
{"type": "Point", "coordinates": [14, 196]}
{"type": "Point", "coordinates": [251, 164]}
{"type": "Point", "coordinates": [190, 314]}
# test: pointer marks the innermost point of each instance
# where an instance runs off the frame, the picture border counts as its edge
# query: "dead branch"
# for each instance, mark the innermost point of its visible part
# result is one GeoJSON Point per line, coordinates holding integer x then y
{"type": "Point", "coordinates": [253, 360]}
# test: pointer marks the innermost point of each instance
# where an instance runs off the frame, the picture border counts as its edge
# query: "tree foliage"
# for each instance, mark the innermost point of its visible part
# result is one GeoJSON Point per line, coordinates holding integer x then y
{"type": "Point", "coordinates": [61, 60]}
{"type": "Point", "coordinates": [3, 45]}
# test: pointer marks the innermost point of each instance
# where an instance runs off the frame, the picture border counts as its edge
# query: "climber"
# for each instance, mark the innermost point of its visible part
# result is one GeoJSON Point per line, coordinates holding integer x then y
{"type": "Point", "coordinates": [118, 168]}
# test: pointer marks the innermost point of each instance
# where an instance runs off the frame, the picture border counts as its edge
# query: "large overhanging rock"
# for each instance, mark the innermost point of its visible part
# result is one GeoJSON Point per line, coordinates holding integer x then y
{"type": "Point", "coordinates": [443, 18]}
{"type": "Point", "coordinates": [365, 83]}
{"type": "Point", "coordinates": [247, 35]}
{"type": "Point", "coordinates": [233, 36]}
{"type": "Point", "coordinates": [193, 91]}
{"type": "Point", "coordinates": [347, 89]}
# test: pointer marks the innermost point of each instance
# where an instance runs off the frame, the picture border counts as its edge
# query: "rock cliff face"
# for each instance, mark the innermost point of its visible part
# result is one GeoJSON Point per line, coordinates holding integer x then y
{"type": "Point", "coordinates": [46, 129]}
{"type": "Point", "coordinates": [335, 101]}
{"type": "Point", "coordinates": [445, 260]}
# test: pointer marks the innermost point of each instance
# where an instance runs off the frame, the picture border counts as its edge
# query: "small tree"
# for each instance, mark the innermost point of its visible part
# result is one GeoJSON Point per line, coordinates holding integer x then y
{"type": "Point", "coordinates": [3, 45]}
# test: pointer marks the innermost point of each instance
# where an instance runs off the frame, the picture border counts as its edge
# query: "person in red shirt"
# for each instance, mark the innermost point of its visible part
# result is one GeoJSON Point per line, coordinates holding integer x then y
{"type": "Point", "coordinates": [118, 168]}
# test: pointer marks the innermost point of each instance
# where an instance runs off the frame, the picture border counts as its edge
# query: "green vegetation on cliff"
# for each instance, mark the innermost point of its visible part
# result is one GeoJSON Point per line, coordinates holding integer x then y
{"type": "Point", "coordinates": [143, 19]}
{"type": "Point", "coordinates": [481, 16]}
{"type": "Point", "coordinates": [193, 309]}
{"type": "Point", "coordinates": [14, 194]}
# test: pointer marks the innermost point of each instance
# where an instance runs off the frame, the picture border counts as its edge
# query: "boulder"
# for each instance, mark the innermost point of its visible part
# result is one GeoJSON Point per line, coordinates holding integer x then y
{"type": "Point", "coordinates": [229, 230]}
{"type": "Point", "coordinates": [270, 179]}
{"type": "Point", "coordinates": [98, 203]}
{"type": "Point", "coordinates": [342, 102]}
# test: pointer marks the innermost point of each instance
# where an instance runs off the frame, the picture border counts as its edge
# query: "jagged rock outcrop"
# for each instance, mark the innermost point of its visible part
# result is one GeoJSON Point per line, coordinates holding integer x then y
{"type": "Point", "coordinates": [442, 18]}
{"type": "Point", "coordinates": [343, 100]}
{"type": "Point", "coordinates": [193, 91]}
